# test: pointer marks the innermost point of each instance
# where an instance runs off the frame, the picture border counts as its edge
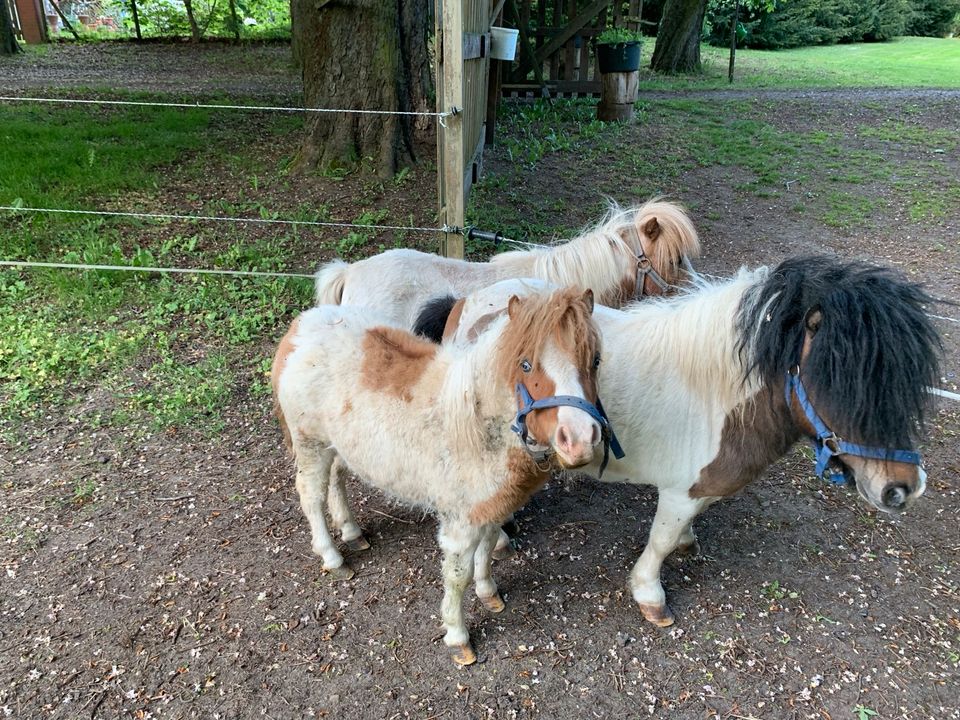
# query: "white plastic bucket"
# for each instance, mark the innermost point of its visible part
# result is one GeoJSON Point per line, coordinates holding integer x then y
{"type": "Point", "coordinates": [503, 43]}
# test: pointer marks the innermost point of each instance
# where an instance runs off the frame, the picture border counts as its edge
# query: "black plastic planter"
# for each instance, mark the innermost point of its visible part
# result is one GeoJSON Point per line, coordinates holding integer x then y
{"type": "Point", "coordinates": [622, 57]}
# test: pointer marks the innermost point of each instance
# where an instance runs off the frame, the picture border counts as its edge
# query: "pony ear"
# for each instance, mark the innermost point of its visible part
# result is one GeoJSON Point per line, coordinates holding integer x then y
{"type": "Point", "coordinates": [651, 228]}
{"type": "Point", "coordinates": [813, 319]}
{"type": "Point", "coordinates": [512, 306]}
{"type": "Point", "coordinates": [587, 298]}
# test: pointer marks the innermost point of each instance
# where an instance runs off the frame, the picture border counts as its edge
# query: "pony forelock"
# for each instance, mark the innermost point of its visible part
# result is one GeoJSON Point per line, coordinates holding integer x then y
{"type": "Point", "coordinates": [872, 357]}
{"type": "Point", "coordinates": [560, 316]}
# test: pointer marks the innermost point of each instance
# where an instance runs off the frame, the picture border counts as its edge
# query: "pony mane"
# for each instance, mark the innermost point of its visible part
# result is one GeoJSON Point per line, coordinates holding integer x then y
{"type": "Point", "coordinates": [603, 256]}
{"type": "Point", "coordinates": [872, 357]}
{"type": "Point", "coordinates": [561, 316]}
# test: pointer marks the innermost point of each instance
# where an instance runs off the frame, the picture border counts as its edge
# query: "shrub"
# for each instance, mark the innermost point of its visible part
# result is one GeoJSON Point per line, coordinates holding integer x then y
{"type": "Point", "coordinates": [933, 18]}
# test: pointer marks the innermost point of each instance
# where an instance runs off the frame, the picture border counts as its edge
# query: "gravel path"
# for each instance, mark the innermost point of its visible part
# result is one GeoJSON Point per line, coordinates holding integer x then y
{"type": "Point", "coordinates": [264, 71]}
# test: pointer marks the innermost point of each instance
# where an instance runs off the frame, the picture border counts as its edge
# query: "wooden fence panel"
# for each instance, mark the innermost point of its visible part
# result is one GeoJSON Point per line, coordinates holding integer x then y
{"type": "Point", "coordinates": [463, 29]}
{"type": "Point", "coordinates": [561, 36]}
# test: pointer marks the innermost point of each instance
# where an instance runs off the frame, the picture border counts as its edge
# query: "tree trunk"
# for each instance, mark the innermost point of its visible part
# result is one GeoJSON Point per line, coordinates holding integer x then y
{"type": "Point", "coordinates": [8, 40]}
{"type": "Point", "coordinates": [194, 28]}
{"type": "Point", "coordinates": [369, 55]}
{"type": "Point", "coordinates": [678, 39]}
{"type": "Point", "coordinates": [136, 19]}
{"type": "Point", "coordinates": [234, 20]}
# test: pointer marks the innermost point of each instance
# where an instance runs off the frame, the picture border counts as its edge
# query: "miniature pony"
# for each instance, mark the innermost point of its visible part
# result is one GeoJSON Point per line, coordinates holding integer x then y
{"type": "Point", "coordinates": [708, 389]}
{"type": "Point", "coordinates": [631, 253]}
{"type": "Point", "coordinates": [431, 425]}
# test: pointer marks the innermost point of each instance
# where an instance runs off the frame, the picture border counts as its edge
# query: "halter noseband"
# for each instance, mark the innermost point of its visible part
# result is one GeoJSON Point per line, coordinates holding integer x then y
{"type": "Point", "coordinates": [540, 456]}
{"type": "Point", "coordinates": [826, 444]}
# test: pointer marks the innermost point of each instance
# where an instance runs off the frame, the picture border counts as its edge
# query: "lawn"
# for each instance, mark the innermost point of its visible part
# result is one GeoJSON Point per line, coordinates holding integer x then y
{"type": "Point", "coordinates": [908, 62]}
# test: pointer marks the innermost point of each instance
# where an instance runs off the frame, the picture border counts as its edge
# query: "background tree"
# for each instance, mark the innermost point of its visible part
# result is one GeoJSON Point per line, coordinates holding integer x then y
{"type": "Point", "coordinates": [678, 39]}
{"type": "Point", "coordinates": [363, 54]}
{"type": "Point", "coordinates": [8, 40]}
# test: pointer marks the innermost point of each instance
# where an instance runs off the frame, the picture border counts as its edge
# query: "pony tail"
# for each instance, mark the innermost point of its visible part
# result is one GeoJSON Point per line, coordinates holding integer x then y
{"type": "Point", "coordinates": [329, 283]}
{"type": "Point", "coordinates": [432, 318]}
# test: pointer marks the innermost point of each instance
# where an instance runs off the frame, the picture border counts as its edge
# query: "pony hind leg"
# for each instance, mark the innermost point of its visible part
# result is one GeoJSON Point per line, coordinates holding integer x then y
{"type": "Point", "coordinates": [459, 542]}
{"type": "Point", "coordinates": [340, 511]}
{"type": "Point", "coordinates": [671, 525]}
{"type": "Point", "coordinates": [313, 477]}
{"type": "Point", "coordinates": [482, 576]}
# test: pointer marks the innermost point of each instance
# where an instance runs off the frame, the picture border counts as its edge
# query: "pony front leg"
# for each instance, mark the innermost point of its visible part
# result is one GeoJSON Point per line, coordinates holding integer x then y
{"type": "Point", "coordinates": [340, 511]}
{"type": "Point", "coordinates": [482, 577]}
{"type": "Point", "coordinates": [459, 541]}
{"type": "Point", "coordinates": [313, 477]}
{"type": "Point", "coordinates": [671, 525]}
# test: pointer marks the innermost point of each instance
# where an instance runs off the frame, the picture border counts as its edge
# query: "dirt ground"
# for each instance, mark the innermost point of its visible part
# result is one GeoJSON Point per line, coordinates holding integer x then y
{"type": "Point", "coordinates": [185, 587]}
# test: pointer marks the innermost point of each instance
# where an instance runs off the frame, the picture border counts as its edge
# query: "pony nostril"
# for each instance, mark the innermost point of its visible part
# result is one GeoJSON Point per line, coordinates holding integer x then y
{"type": "Point", "coordinates": [895, 496]}
{"type": "Point", "coordinates": [563, 439]}
{"type": "Point", "coordinates": [595, 437]}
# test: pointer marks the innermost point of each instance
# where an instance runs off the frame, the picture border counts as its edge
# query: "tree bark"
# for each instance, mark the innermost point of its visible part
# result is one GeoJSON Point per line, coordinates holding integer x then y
{"type": "Point", "coordinates": [678, 39]}
{"type": "Point", "coordinates": [194, 28]}
{"type": "Point", "coordinates": [369, 55]}
{"type": "Point", "coordinates": [8, 40]}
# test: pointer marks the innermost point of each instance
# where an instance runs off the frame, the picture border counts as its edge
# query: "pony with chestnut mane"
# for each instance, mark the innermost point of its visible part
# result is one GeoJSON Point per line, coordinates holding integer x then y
{"type": "Point", "coordinates": [632, 253]}
{"type": "Point", "coordinates": [708, 389]}
{"type": "Point", "coordinates": [432, 426]}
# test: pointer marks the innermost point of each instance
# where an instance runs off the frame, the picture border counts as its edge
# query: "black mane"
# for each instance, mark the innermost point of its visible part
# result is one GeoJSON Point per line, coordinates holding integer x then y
{"type": "Point", "coordinates": [432, 318]}
{"type": "Point", "coordinates": [873, 355]}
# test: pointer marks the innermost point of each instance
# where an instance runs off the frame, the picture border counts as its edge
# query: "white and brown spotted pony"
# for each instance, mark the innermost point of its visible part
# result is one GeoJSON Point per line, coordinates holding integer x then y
{"type": "Point", "coordinates": [707, 390]}
{"type": "Point", "coordinates": [432, 425]}
{"type": "Point", "coordinates": [631, 253]}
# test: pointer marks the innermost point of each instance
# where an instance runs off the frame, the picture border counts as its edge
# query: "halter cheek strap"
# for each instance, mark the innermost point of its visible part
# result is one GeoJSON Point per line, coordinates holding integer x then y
{"type": "Point", "coordinates": [528, 405]}
{"type": "Point", "coordinates": [826, 444]}
{"type": "Point", "coordinates": [646, 270]}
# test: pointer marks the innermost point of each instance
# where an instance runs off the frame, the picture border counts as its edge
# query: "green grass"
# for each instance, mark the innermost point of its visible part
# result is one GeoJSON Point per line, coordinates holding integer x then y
{"type": "Point", "coordinates": [905, 62]}
{"type": "Point", "coordinates": [168, 350]}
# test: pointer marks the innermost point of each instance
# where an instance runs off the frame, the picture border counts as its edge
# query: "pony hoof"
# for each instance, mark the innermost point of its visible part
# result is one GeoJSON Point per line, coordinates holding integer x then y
{"type": "Point", "coordinates": [358, 544]}
{"type": "Point", "coordinates": [494, 603]}
{"type": "Point", "coordinates": [344, 572]}
{"type": "Point", "coordinates": [689, 550]}
{"type": "Point", "coordinates": [511, 528]}
{"type": "Point", "coordinates": [463, 655]}
{"type": "Point", "coordinates": [659, 615]}
{"type": "Point", "coordinates": [507, 552]}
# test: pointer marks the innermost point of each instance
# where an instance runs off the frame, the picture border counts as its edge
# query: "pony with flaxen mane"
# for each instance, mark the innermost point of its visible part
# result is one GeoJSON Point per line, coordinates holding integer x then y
{"type": "Point", "coordinates": [708, 389]}
{"type": "Point", "coordinates": [431, 425]}
{"type": "Point", "coordinates": [631, 253]}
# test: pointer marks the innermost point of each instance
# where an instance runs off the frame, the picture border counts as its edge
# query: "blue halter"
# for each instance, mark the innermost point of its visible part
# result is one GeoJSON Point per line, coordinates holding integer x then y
{"type": "Point", "coordinates": [519, 425]}
{"type": "Point", "coordinates": [827, 444]}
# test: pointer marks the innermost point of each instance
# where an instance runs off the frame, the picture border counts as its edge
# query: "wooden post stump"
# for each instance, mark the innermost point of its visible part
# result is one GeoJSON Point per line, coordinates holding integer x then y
{"type": "Point", "coordinates": [618, 93]}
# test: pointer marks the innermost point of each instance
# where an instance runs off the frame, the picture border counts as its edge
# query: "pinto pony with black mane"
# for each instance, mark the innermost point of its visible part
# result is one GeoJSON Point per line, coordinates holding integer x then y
{"type": "Point", "coordinates": [708, 389]}
{"type": "Point", "coordinates": [432, 426]}
{"type": "Point", "coordinates": [632, 253]}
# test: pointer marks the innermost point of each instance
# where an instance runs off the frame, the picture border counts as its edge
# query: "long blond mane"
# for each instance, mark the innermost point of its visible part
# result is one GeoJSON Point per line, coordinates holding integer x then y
{"type": "Point", "coordinates": [604, 257]}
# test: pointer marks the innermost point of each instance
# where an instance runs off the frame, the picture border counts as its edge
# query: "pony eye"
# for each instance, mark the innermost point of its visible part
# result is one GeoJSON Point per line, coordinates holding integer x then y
{"type": "Point", "coordinates": [526, 366]}
{"type": "Point", "coordinates": [596, 361]}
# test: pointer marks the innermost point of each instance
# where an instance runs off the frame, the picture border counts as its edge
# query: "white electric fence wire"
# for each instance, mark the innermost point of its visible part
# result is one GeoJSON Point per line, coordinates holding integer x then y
{"type": "Point", "coordinates": [215, 106]}
{"type": "Point", "coordinates": [220, 218]}
{"type": "Point", "coordinates": [135, 268]}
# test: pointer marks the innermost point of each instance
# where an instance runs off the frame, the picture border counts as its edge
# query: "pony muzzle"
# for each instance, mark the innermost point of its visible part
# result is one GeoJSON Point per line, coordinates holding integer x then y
{"type": "Point", "coordinates": [576, 437]}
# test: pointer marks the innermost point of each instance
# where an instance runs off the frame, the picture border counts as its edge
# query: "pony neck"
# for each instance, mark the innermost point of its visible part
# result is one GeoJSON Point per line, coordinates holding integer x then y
{"type": "Point", "coordinates": [472, 392]}
{"type": "Point", "coordinates": [599, 260]}
{"type": "Point", "coordinates": [696, 335]}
